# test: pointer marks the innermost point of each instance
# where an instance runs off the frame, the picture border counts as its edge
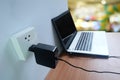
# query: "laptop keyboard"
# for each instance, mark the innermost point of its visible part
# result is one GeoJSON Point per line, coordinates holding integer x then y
{"type": "Point", "coordinates": [85, 41]}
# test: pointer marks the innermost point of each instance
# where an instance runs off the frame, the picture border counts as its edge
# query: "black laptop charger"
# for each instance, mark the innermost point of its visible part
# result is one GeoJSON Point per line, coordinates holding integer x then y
{"type": "Point", "coordinates": [45, 54]}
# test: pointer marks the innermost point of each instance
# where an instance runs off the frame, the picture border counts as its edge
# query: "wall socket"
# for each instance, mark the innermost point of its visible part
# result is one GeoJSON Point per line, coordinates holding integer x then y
{"type": "Point", "coordinates": [22, 40]}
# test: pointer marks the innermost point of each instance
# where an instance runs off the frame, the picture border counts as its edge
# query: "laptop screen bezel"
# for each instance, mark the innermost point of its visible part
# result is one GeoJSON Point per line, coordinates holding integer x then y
{"type": "Point", "coordinates": [71, 36]}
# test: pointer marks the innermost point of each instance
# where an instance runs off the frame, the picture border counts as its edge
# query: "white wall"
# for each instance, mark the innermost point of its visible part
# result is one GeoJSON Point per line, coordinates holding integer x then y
{"type": "Point", "coordinates": [16, 15]}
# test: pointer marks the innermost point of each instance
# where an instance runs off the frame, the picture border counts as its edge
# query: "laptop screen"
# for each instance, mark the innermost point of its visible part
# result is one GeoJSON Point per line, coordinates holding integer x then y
{"type": "Point", "coordinates": [65, 27]}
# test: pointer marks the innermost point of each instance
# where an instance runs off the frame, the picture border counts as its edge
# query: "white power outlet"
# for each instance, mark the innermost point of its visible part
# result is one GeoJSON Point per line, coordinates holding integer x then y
{"type": "Point", "coordinates": [21, 42]}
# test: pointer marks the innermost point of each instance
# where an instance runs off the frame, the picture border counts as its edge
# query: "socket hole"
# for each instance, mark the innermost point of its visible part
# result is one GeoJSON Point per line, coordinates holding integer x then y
{"type": "Point", "coordinates": [25, 38]}
{"type": "Point", "coordinates": [28, 40]}
{"type": "Point", "coordinates": [28, 35]}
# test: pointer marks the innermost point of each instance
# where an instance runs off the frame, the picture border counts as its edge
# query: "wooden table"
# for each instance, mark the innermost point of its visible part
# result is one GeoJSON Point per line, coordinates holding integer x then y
{"type": "Point", "coordinates": [65, 72]}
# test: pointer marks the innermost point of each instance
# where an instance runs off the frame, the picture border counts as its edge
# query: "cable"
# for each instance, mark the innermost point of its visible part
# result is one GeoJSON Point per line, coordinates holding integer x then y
{"type": "Point", "coordinates": [95, 71]}
{"type": "Point", "coordinates": [118, 57]}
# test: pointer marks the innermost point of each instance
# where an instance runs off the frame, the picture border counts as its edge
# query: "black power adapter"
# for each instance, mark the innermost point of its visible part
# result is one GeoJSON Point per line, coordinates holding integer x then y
{"type": "Point", "coordinates": [45, 54]}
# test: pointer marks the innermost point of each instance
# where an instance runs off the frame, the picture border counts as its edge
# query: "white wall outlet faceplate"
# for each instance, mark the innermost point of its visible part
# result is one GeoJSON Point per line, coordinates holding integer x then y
{"type": "Point", "coordinates": [21, 42]}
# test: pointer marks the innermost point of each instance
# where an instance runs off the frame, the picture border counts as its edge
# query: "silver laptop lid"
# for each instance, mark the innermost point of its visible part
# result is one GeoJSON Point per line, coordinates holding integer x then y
{"type": "Point", "coordinates": [65, 28]}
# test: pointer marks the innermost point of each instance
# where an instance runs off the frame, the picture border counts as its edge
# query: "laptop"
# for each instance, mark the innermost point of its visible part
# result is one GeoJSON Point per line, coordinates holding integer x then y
{"type": "Point", "coordinates": [75, 42]}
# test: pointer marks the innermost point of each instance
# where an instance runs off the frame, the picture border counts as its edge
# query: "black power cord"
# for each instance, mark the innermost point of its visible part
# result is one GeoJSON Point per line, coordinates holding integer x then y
{"type": "Point", "coordinates": [95, 71]}
{"type": "Point", "coordinates": [118, 57]}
